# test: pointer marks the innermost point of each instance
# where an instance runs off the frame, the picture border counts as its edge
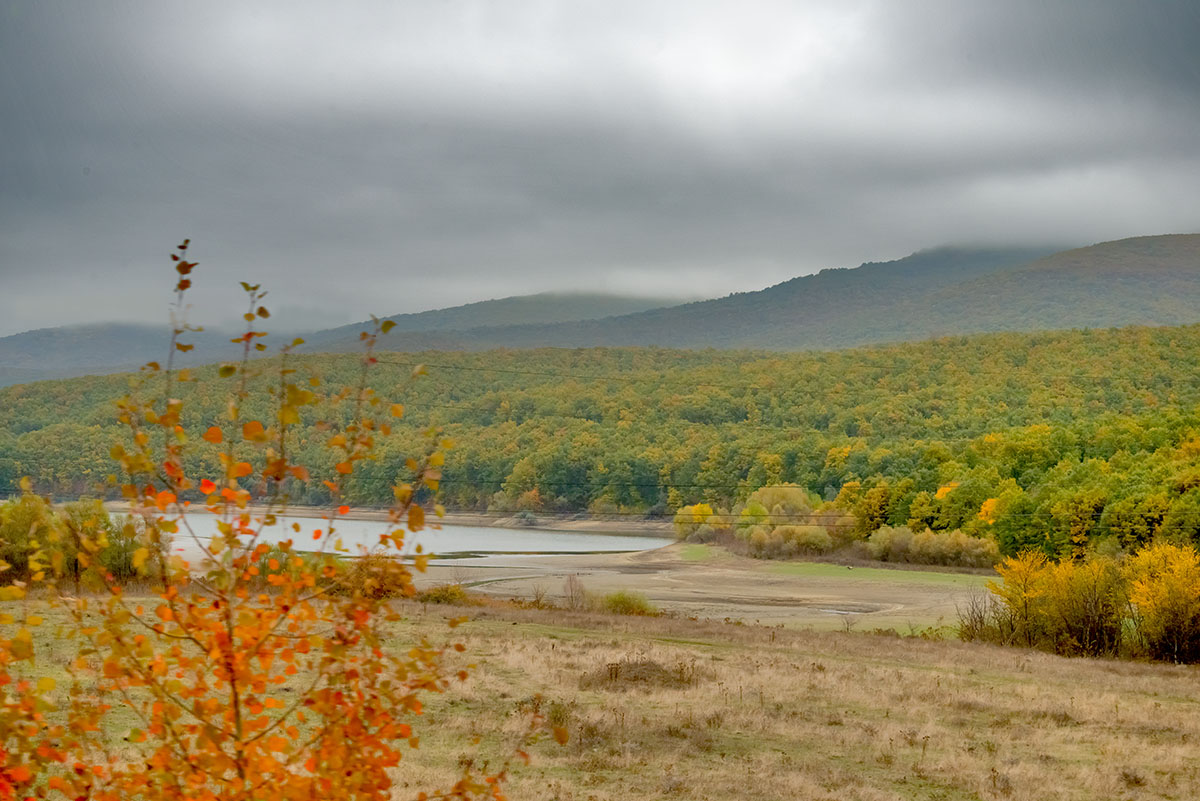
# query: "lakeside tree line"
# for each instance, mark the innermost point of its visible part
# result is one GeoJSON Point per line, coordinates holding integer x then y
{"type": "Point", "coordinates": [1052, 441]}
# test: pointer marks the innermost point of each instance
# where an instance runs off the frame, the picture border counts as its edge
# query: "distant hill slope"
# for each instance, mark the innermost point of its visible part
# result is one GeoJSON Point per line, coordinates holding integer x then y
{"type": "Point", "coordinates": [1151, 280]}
{"type": "Point", "coordinates": [543, 308]}
{"type": "Point", "coordinates": [1146, 280]}
{"type": "Point", "coordinates": [102, 348]}
{"type": "Point", "coordinates": [95, 349]}
{"type": "Point", "coordinates": [833, 308]}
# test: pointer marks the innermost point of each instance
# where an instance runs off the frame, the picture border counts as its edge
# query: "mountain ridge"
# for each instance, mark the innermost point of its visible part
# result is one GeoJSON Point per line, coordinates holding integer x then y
{"type": "Point", "coordinates": [1147, 280]}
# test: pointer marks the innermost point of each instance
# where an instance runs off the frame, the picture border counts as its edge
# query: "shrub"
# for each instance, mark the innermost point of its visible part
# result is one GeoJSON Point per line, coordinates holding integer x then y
{"type": "Point", "coordinates": [454, 594]}
{"type": "Point", "coordinates": [808, 539]}
{"type": "Point", "coordinates": [1164, 588]}
{"type": "Point", "coordinates": [690, 518]}
{"type": "Point", "coordinates": [1022, 590]}
{"type": "Point", "coordinates": [752, 514]}
{"type": "Point", "coordinates": [575, 596]}
{"type": "Point", "coordinates": [929, 547]}
{"type": "Point", "coordinates": [121, 545]}
{"type": "Point", "coordinates": [704, 534]}
{"type": "Point", "coordinates": [26, 528]}
{"type": "Point", "coordinates": [625, 602]}
{"type": "Point", "coordinates": [890, 544]}
{"type": "Point", "coordinates": [1084, 606]}
{"type": "Point", "coordinates": [786, 502]}
{"type": "Point", "coordinates": [375, 576]}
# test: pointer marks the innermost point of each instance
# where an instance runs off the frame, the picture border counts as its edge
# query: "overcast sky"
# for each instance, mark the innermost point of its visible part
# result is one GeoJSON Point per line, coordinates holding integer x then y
{"type": "Point", "coordinates": [384, 157]}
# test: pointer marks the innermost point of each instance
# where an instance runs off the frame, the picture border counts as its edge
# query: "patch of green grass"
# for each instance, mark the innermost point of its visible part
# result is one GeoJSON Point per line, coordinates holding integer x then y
{"type": "Point", "coordinates": [696, 553]}
{"type": "Point", "coordinates": [826, 570]}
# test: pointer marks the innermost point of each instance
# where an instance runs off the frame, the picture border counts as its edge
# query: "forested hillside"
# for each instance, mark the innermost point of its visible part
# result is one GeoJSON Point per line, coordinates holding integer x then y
{"type": "Point", "coordinates": [833, 308]}
{"type": "Point", "coordinates": [1149, 280]}
{"type": "Point", "coordinates": [1067, 436]}
{"type": "Point", "coordinates": [1152, 280]}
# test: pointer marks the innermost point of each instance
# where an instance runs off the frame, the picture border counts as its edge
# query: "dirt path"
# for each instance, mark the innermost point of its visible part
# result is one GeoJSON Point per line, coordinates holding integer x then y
{"type": "Point", "coordinates": [710, 583]}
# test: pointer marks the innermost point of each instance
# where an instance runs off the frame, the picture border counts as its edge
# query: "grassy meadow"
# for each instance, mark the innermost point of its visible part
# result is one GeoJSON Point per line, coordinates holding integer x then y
{"type": "Point", "coordinates": [669, 707]}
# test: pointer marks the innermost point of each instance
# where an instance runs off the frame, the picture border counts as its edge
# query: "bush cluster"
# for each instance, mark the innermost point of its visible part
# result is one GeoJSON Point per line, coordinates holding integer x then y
{"type": "Point", "coordinates": [36, 538]}
{"type": "Point", "coordinates": [786, 521]}
{"type": "Point", "coordinates": [1146, 605]}
{"type": "Point", "coordinates": [900, 544]}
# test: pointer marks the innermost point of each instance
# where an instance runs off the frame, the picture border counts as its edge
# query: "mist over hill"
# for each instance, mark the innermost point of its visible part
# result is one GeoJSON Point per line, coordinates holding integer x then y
{"type": "Point", "coordinates": [542, 308]}
{"type": "Point", "coordinates": [832, 308]}
{"type": "Point", "coordinates": [1150, 280]}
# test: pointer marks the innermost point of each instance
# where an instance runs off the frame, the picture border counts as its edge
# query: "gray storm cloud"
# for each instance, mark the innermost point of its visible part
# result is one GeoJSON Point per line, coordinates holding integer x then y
{"type": "Point", "coordinates": [392, 157]}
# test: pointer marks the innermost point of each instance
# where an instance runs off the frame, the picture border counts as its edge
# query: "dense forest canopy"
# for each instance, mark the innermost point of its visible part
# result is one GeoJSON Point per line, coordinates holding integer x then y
{"type": "Point", "coordinates": [1034, 439]}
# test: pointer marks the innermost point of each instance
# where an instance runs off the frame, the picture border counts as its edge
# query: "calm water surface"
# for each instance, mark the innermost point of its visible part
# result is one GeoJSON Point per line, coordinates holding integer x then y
{"type": "Point", "coordinates": [452, 540]}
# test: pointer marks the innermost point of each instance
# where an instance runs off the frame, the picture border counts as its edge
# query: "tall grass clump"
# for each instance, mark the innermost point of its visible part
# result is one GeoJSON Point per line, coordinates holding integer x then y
{"type": "Point", "coordinates": [625, 602]}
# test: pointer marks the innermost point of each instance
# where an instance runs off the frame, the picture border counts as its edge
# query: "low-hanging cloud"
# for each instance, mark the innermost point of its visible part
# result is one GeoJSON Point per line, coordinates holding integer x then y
{"type": "Point", "coordinates": [387, 157]}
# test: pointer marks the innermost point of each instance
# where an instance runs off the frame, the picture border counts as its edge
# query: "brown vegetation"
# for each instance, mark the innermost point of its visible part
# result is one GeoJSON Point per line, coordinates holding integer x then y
{"type": "Point", "coordinates": [672, 708]}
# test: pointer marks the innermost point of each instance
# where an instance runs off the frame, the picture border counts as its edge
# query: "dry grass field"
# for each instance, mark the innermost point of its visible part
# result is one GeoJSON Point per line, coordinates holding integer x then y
{"type": "Point", "coordinates": [675, 708]}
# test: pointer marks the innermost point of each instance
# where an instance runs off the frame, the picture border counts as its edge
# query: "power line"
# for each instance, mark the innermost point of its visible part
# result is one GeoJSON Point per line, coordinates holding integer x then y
{"type": "Point", "coordinates": [972, 370]}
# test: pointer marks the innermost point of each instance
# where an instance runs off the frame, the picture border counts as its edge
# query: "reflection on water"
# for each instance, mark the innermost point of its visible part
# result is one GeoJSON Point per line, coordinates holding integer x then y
{"type": "Point", "coordinates": [449, 540]}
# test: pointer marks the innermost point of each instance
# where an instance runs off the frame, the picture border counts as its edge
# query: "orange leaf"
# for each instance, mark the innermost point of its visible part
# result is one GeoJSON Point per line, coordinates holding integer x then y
{"type": "Point", "coordinates": [242, 469]}
{"type": "Point", "coordinates": [343, 510]}
{"type": "Point", "coordinates": [560, 735]}
{"type": "Point", "coordinates": [344, 467]}
{"type": "Point", "coordinates": [213, 435]}
{"type": "Point", "coordinates": [207, 486]}
{"type": "Point", "coordinates": [252, 430]}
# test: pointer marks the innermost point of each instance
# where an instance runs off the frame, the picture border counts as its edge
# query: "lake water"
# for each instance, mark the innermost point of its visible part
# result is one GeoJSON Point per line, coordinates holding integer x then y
{"type": "Point", "coordinates": [450, 540]}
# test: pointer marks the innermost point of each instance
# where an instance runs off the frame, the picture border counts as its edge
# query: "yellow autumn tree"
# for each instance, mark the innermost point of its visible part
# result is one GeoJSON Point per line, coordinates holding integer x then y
{"type": "Point", "coordinates": [252, 670]}
{"type": "Point", "coordinates": [1164, 588]}
{"type": "Point", "coordinates": [1021, 589]}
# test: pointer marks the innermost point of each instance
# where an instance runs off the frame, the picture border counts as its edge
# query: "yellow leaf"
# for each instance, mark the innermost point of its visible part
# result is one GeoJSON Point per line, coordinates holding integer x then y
{"type": "Point", "coordinates": [397, 410]}
{"type": "Point", "coordinates": [21, 646]}
{"type": "Point", "coordinates": [139, 557]}
{"type": "Point", "coordinates": [33, 620]}
{"type": "Point", "coordinates": [416, 518]}
{"type": "Point", "coordinates": [46, 684]}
